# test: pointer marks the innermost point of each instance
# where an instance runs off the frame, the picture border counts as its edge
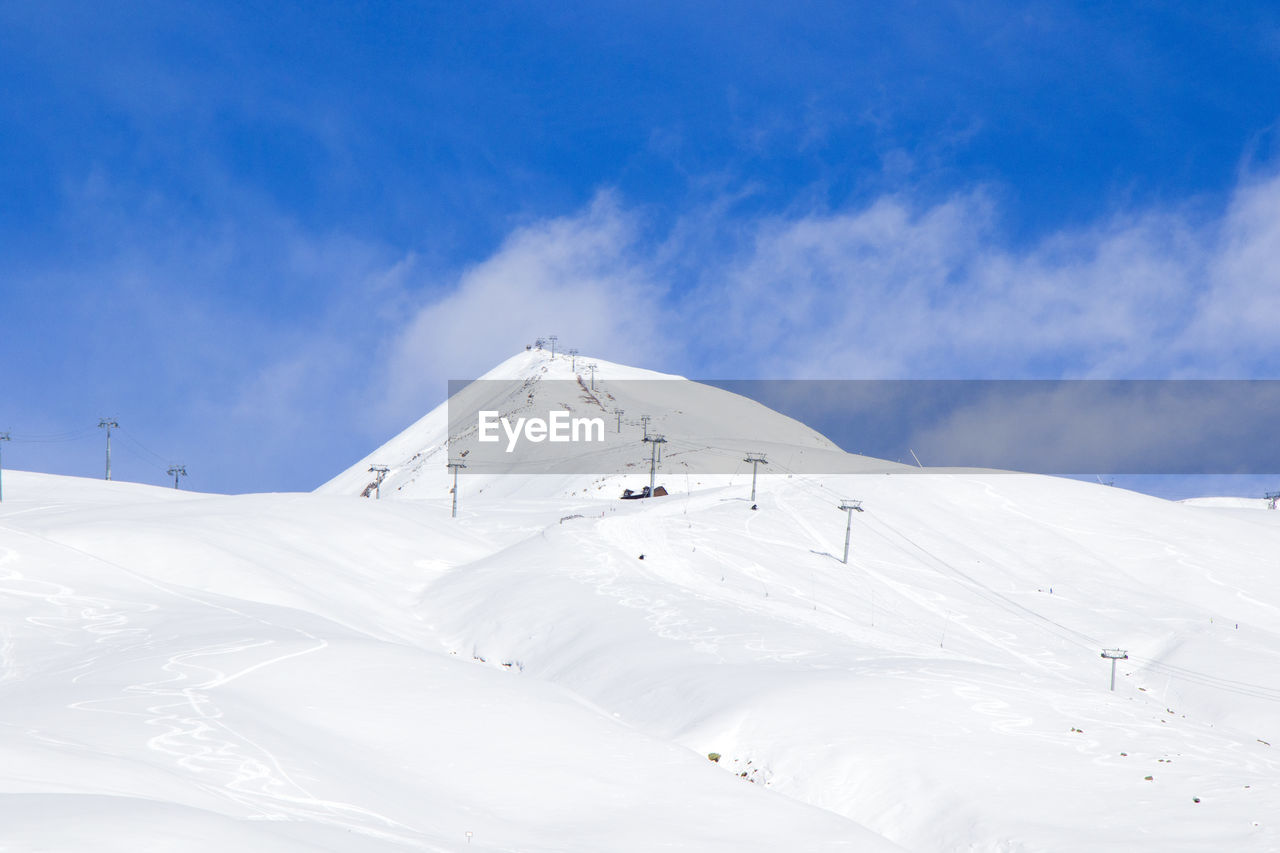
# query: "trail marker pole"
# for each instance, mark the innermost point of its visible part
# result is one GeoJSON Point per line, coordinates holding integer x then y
{"type": "Point", "coordinates": [4, 436]}
{"type": "Point", "coordinates": [618, 412]}
{"type": "Point", "coordinates": [176, 471]}
{"type": "Point", "coordinates": [654, 441]}
{"type": "Point", "coordinates": [850, 507]}
{"type": "Point", "coordinates": [756, 460]}
{"type": "Point", "coordinates": [109, 423]}
{"type": "Point", "coordinates": [592, 367]}
{"type": "Point", "coordinates": [1114, 655]}
{"type": "Point", "coordinates": [454, 466]}
{"type": "Point", "coordinates": [380, 474]}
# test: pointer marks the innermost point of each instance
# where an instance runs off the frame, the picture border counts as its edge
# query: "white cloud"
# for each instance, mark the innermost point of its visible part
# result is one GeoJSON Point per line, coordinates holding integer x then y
{"type": "Point", "coordinates": [891, 289]}
{"type": "Point", "coordinates": [582, 278]}
{"type": "Point", "coordinates": [1239, 310]}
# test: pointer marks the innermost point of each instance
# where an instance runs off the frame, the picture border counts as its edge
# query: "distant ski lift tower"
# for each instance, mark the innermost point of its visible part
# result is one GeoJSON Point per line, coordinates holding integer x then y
{"type": "Point", "coordinates": [553, 339]}
{"type": "Point", "coordinates": [644, 419]}
{"type": "Point", "coordinates": [756, 460]}
{"type": "Point", "coordinates": [110, 424]}
{"type": "Point", "coordinates": [850, 507]}
{"type": "Point", "coordinates": [573, 360]}
{"type": "Point", "coordinates": [176, 471]}
{"type": "Point", "coordinates": [4, 436]}
{"type": "Point", "coordinates": [592, 367]}
{"type": "Point", "coordinates": [379, 474]}
{"type": "Point", "coordinates": [619, 413]}
{"type": "Point", "coordinates": [1272, 497]}
{"type": "Point", "coordinates": [1114, 655]}
{"type": "Point", "coordinates": [454, 465]}
{"type": "Point", "coordinates": [654, 441]}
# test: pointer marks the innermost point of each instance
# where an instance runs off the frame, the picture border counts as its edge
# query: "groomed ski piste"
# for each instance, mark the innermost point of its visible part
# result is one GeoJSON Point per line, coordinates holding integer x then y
{"type": "Point", "coordinates": [326, 671]}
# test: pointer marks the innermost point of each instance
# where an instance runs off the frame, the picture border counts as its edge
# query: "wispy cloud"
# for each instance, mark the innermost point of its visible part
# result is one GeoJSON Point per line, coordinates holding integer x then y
{"type": "Point", "coordinates": [891, 289]}
{"type": "Point", "coordinates": [586, 277]}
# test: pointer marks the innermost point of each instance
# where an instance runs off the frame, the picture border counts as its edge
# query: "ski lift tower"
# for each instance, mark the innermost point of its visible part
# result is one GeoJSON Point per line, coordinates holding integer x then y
{"type": "Point", "coordinates": [4, 436]}
{"type": "Point", "coordinates": [109, 424]}
{"type": "Point", "coordinates": [379, 474]}
{"type": "Point", "coordinates": [454, 465]}
{"type": "Point", "coordinates": [756, 460]}
{"type": "Point", "coordinates": [176, 471]}
{"type": "Point", "coordinates": [1114, 655]}
{"type": "Point", "coordinates": [850, 507]}
{"type": "Point", "coordinates": [653, 440]}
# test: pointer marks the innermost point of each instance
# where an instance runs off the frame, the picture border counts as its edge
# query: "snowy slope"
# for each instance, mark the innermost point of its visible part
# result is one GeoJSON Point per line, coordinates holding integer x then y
{"type": "Point", "coordinates": [936, 690]}
{"type": "Point", "coordinates": [327, 671]}
{"type": "Point", "coordinates": [1228, 503]}
{"type": "Point", "coordinates": [194, 673]}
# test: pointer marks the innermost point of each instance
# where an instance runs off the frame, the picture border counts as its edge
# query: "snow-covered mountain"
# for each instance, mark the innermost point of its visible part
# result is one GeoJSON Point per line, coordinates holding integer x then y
{"type": "Point", "coordinates": [707, 430]}
{"type": "Point", "coordinates": [552, 669]}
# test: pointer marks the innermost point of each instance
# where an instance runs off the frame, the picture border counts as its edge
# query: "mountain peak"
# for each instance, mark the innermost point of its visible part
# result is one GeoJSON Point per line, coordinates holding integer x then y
{"type": "Point", "coordinates": [707, 431]}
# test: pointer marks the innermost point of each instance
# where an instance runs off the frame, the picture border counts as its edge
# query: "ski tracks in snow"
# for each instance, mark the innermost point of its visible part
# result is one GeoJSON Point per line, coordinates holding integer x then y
{"type": "Point", "coordinates": [671, 615]}
{"type": "Point", "coordinates": [181, 707]}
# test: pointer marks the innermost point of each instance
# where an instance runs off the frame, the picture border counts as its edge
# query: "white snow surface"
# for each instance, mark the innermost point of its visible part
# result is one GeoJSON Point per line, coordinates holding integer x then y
{"type": "Point", "coordinates": [1228, 503]}
{"type": "Point", "coordinates": [325, 671]}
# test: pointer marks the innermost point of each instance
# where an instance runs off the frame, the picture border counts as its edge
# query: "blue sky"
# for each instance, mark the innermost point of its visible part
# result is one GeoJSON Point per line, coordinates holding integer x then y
{"type": "Point", "coordinates": [263, 237]}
